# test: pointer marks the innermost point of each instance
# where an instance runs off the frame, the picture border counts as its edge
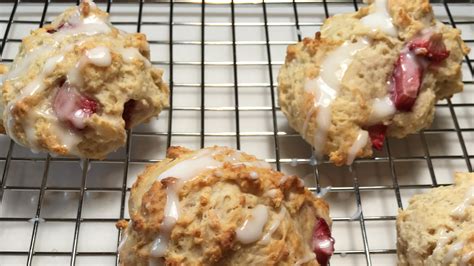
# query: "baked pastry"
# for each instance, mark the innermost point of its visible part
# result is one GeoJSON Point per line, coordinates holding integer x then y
{"type": "Point", "coordinates": [219, 206]}
{"type": "Point", "coordinates": [78, 83]}
{"type": "Point", "coordinates": [376, 72]}
{"type": "Point", "coordinates": [437, 228]}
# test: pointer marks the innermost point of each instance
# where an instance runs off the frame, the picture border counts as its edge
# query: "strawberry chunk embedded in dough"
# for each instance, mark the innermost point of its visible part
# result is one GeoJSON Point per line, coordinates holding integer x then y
{"type": "Point", "coordinates": [73, 108]}
{"type": "Point", "coordinates": [322, 242]}
{"type": "Point", "coordinates": [406, 81]}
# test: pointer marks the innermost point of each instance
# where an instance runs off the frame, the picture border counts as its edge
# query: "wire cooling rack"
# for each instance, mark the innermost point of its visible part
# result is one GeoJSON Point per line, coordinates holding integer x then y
{"type": "Point", "coordinates": [221, 59]}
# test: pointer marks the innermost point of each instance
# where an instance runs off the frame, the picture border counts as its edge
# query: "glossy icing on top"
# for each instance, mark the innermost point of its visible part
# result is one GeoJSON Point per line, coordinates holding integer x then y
{"type": "Point", "coordinates": [100, 56]}
{"type": "Point", "coordinates": [360, 142]}
{"type": "Point", "coordinates": [274, 226]}
{"type": "Point", "coordinates": [188, 169]}
{"type": "Point", "coordinates": [326, 86]}
{"type": "Point", "coordinates": [382, 108]}
{"type": "Point", "coordinates": [252, 228]}
{"type": "Point", "coordinates": [380, 19]}
{"type": "Point", "coordinates": [460, 210]}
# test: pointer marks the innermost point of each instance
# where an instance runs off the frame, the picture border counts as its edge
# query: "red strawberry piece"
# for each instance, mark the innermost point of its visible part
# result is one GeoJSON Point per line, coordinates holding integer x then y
{"type": "Point", "coordinates": [429, 45]}
{"type": "Point", "coordinates": [406, 81]}
{"type": "Point", "coordinates": [377, 135]}
{"type": "Point", "coordinates": [322, 242]}
{"type": "Point", "coordinates": [72, 107]}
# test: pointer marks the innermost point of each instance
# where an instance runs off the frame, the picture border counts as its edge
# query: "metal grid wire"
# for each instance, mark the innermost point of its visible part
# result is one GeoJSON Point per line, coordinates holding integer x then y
{"type": "Point", "coordinates": [277, 136]}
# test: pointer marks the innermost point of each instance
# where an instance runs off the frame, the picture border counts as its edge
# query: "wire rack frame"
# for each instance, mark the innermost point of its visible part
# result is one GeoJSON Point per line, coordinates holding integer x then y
{"type": "Point", "coordinates": [275, 134]}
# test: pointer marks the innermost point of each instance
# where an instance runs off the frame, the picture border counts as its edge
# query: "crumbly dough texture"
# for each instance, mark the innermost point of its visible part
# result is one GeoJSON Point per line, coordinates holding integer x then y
{"type": "Point", "coordinates": [213, 205]}
{"type": "Point", "coordinates": [110, 86]}
{"type": "Point", "coordinates": [366, 77]}
{"type": "Point", "coordinates": [419, 226]}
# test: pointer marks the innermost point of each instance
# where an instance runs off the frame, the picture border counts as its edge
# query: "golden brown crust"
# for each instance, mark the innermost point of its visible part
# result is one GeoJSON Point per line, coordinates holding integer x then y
{"type": "Point", "coordinates": [126, 79]}
{"type": "Point", "coordinates": [213, 205]}
{"type": "Point", "coordinates": [429, 218]}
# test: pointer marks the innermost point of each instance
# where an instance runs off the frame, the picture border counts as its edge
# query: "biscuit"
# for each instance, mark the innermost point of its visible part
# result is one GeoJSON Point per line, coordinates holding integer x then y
{"type": "Point", "coordinates": [219, 206]}
{"type": "Point", "coordinates": [437, 228]}
{"type": "Point", "coordinates": [375, 72]}
{"type": "Point", "coordinates": [78, 84]}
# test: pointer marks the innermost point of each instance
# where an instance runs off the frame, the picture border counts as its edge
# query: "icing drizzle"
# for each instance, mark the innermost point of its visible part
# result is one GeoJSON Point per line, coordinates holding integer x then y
{"type": "Point", "coordinates": [99, 56]}
{"type": "Point", "coordinates": [360, 142]}
{"type": "Point", "coordinates": [380, 19]}
{"type": "Point", "coordinates": [460, 210]}
{"type": "Point", "coordinates": [444, 238]}
{"type": "Point", "coordinates": [326, 87]}
{"type": "Point", "coordinates": [274, 226]}
{"type": "Point", "coordinates": [189, 169]}
{"type": "Point", "coordinates": [382, 108]}
{"type": "Point", "coordinates": [252, 228]}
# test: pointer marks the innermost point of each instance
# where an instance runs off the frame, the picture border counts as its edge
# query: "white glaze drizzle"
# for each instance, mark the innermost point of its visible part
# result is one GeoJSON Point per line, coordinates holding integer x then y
{"type": "Point", "coordinates": [380, 19]}
{"type": "Point", "coordinates": [460, 210]}
{"type": "Point", "coordinates": [50, 63]}
{"type": "Point", "coordinates": [309, 85]}
{"type": "Point", "coordinates": [36, 219]}
{"type": "Point", "coordinates": [90, 25]}
{"type": "Point", "coordinates": [443, 239]}
{"type": "Point", "coordinates": [99, 56]}
{"type": "Point", "coordinates": [251, 229]}
{"type": "Point", "coordinates": [309, 257]}
{"type": "Point", "coordinates": [130, 54]}
{"type": "Point", "coordinates": [160, 244]}
{"type": "Point", "coordinates": [30, 89]}
{"type": "Point", "coordinates": [69, 139]}
{"type": "Point", "coordinates": [274, 226]}
{"type": "Point", "coordinates": [359, 143]}
{"type": "Point", "coordinates": [20, 67]}
{"type": "Point", "coordinates": [189, 168]}
{"type": "Point", "coordinates": [453, 249]}
{"type": "Point", "coordinates": [382, 108]}
{"type": "Point", "coordinates": [326, 87]}
{"type": "Point", "coordinates": [183, 171]}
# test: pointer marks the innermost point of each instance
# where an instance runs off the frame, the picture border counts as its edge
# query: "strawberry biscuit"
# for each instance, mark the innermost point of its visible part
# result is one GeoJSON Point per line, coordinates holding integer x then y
{"type": "Point", "coordinates": [78, 84]}
{"type": "Point", "coordinates": [376, 72]}
{"type": "Point", "coordinates": [437, 228]}
{"type": "Point", "coordinates": [219, 206]}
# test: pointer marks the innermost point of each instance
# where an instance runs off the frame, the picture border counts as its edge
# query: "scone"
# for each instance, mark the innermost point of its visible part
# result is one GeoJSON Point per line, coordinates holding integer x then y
{"type": "Point", "coordinates": [219, 206]}
{"type": "Point", "coordinates": [437, 228]}
{"type": "Point", "coordinates": [77, 84]}
{"type": "Point", "coordinates": [376, 72]}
